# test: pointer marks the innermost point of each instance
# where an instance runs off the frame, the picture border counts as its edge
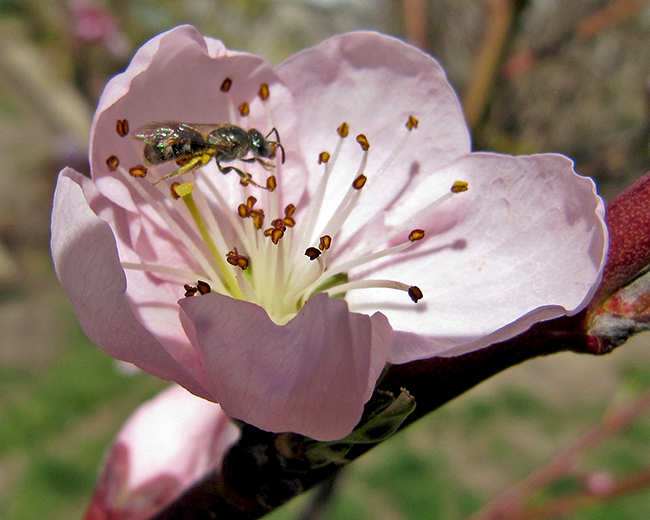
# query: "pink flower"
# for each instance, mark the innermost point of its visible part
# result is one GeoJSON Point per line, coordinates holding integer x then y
{"type": "Point", "coordinates": [169, 443]}
{"type": "Point", "coordinates": [524, 243]}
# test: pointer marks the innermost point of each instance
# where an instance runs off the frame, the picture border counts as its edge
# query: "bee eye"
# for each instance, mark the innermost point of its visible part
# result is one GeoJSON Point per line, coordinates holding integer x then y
{"type": "Point", "coordinates": [258, 143]}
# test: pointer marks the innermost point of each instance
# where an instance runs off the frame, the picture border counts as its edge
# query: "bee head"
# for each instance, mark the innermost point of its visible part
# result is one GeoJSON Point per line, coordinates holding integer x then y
{"type": "Point", "coordinates": [259, 145]}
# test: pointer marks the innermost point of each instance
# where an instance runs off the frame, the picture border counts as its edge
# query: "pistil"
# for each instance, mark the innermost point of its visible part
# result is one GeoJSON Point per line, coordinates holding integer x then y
{"type": "Point", "coordinates": [184, 191]}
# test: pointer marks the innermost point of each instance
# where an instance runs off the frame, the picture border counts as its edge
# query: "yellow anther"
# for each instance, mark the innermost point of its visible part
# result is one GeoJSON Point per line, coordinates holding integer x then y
{"type": "Point", "coordinates": [137, 171]}
{"type": "Point", "coordinates": [416, 234]}
{"type": "Point", "coordinates": [225, 86]}
{"type": "Point", "coordinates": [323, 157]}
{"type": "Point", "coordinates": [325, 242]}
{"type": "Point", "coordinates": [412, 123]}
{"type": "Point", "coordinates": [244, 109]}
{"type": "Point", "coordinates": [359, 182]}
{"type": "Point", "coordinates": [459, 187]}
{"type": "Point", "coordinates": [343, 130]}
{"type": "Point", "coordinates": [112, 162]}
{"type": "Point", "coordinates": [264, 92]}
{"type": "Point", "coordinates": [363, 141]}
{"type": "Point", "coordinates": [122, 127]}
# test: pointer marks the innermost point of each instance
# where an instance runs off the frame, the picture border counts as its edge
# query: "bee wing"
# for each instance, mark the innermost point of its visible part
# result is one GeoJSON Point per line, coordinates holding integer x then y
{"type": "Point", "coordinates": [169, 133]}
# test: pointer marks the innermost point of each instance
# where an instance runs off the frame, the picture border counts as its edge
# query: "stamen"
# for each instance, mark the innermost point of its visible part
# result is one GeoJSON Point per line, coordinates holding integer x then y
{"type": "Point", "coordinates": [418, 216]}
{"type": "Point", "coordinates": [412, 123]}
{"type": "Point", "coordinates": [172, 190]}
{"type": "Point", "coordinates": [225, 86]}
{"type": "Point", "coordinates": [361, 259]}
{"type": "Point", "coordinates": [348, 202]}
{"type": "Point", "coordinates": [258, 218]}
{"type": "Point", "coordinates": [138, 171]}
{"type": "Point", "coordinates": [234, 258]}
{"type": "Point", "coordinates": [244, 109]}
{"type": "Point", "coordinates": [359, 182]}
{"type": "Point", "coordinates": [363, 142]}
{"type": "Point", "coordinates": [313, 253]}
{"type": "Point", "coordinates": [459, 187]}
{"type": "Point", "coordinates": [180, 232]}
{"type": "Point", "coordinates": [232, 218]}
{"type": "Point", "coordinates": [271, 183]}
{"type": "Point", "coordinates": [325, 242]}
{"type": "Point", "coordinates": [160, 269]}
{"type": "Point", "coordinates": [190, 290]}
{"type": "Point", "coordinates": [229, 282]}
{"type": "Point", "coordinates": [203, 287]}
{"type": "Point", "coordinates": [288, 219]}
{"type": "Point", "coordinates": [316, 205]}
{"type": "Point", "coordinates": [122, 127]}
{"type": "Point", "coordinates": [416, 234]}
{"type": "Point", "coordinates": [414, 292]}
{"type": "Point", "coordinates": [264, 92]}
{"type": "Point", "coordinates": [112, 162]}
{"type": "Point", "coordinates": [323, 157]}
{"type": "Point", "coordinates": [275, 232]}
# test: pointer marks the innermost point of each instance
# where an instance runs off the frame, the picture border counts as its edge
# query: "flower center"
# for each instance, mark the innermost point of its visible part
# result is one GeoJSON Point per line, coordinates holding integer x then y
{"type": "Point", "coordinates": [279, 264]}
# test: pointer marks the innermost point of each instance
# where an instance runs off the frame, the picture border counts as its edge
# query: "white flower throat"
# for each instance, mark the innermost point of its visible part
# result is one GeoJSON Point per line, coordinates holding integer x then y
{"type": "Point", "coordinates": [274, 260]}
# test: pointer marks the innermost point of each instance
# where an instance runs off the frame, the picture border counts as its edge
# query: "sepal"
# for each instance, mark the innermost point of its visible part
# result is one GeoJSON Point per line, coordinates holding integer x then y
{"type": "Point", "coordinates": [383, 415]}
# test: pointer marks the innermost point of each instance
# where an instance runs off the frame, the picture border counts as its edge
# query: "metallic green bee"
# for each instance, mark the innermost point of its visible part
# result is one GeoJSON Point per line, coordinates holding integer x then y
{"type": "Point", "coordinates": [194, 145]}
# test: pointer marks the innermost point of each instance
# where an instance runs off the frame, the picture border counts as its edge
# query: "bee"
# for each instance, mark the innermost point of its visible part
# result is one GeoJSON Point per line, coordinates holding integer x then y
{"type": "Point", "coordinates": [194, 145]}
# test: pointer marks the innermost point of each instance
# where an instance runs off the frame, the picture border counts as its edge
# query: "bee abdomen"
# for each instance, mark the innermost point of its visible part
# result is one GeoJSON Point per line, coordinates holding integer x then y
{"type": "Point", "coordinates": [159, 154]}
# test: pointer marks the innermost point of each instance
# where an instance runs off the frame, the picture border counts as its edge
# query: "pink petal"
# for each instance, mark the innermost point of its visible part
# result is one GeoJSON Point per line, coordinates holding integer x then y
{"type": "Point", "coordinates": [374, 83]}
{"type": "Point", "coordinates": [527, 242]}
{"type": "Point", "coordinates": [88, 267]}
{"type": "Point", "coordinates": [156, 88]}
{"type": "Point", "coordinates": [312, 375]}
{"type": "Point", "coordinates": [170, 442]}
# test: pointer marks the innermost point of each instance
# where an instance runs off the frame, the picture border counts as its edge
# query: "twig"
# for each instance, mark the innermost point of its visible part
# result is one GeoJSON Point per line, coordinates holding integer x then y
{"type": "Point", "coordinates": [508, 504]}
{"type": "Point", "coordinates": [607, 17]}
{"type": "Point", "coordinates": [566, 505]}
{"type": "Point", "coordinates": [486, 63]}
{"type": "Point", "coordinates": [415, 22]}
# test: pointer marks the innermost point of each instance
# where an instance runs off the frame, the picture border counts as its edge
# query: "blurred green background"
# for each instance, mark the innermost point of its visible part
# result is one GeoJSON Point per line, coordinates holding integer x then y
{"type": "Point", "coordinates": [568, 76]}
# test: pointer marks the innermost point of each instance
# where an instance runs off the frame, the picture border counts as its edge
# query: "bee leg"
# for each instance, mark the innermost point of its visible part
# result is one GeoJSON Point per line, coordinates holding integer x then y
{"type": "Point", "coordinates": [246, 178]}
{"type": "Point", "coordinates": [265, 164]}
{"type": "Point", "coordinates": [192, 164]}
